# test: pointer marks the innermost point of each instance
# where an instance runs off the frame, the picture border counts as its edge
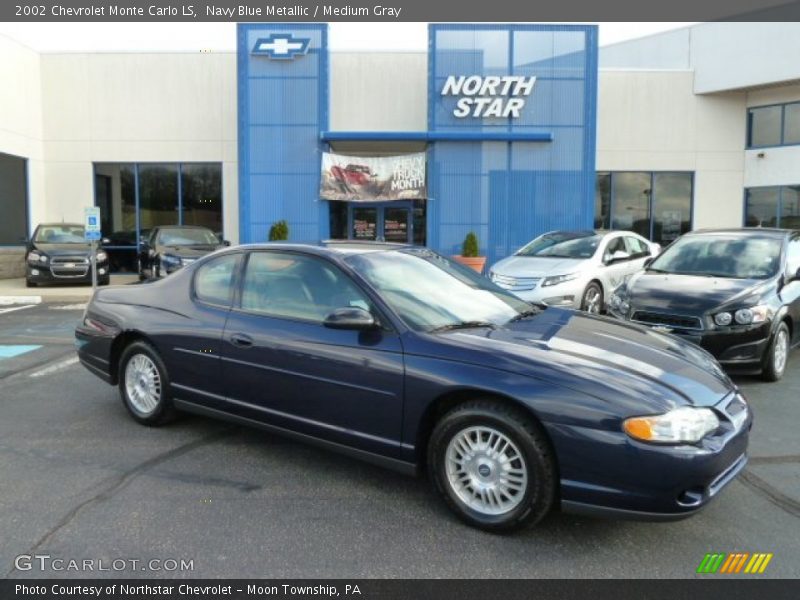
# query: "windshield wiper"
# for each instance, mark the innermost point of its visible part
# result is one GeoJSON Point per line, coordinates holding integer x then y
{"type": "Point", "coordinates": [463, 325]}
{"type": "Point", "coordinates": [528, 312]}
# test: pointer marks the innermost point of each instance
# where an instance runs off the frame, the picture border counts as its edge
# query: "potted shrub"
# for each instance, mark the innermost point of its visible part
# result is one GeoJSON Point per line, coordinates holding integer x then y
{"type": "Point", "coordinates": [279, 231]}
{"type": "Point", "coordinates": [469, 253]}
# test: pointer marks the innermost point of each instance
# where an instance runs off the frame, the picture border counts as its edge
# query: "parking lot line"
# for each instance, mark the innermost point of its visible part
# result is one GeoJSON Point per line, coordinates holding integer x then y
{"type": "Point", "coordinates": [13, 308]}
{"type": "Point", "coordinates": [56, 367]}
{"type": "Point", "coordinates": [10, 351]}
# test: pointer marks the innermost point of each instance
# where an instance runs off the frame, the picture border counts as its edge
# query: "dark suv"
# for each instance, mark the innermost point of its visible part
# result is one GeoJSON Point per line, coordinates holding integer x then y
{"type": "Point", "coordinates": [735, 292]}
{"type": "Point", "coordinates": [58, 253]}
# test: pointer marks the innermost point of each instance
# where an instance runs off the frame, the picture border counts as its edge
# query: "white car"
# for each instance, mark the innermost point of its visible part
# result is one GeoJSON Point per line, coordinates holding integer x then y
{"type": "Point", "coordinates": [573, 269]}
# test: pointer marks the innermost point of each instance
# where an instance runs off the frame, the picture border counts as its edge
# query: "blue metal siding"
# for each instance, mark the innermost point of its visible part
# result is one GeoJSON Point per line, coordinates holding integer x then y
{"type": "Point", "coordinates": [509, 192]}
{"type": "Point", "coordinates": [283, 105]}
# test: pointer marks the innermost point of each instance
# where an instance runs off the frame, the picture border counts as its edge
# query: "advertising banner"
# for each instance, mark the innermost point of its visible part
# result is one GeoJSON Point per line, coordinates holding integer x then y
{"type": "Point", "coordinates": [373, 179]}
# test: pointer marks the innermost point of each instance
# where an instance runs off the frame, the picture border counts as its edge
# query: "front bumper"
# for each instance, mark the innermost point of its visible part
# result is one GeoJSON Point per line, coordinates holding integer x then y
{"type": "Point", "coordinates": [634, 480]}
{"type": "Point", "coordinates": [564, 295]}
{"type": "Point", "coordinates": [737, 348]}
{"type": "Point", "coordinates": [80, 273]}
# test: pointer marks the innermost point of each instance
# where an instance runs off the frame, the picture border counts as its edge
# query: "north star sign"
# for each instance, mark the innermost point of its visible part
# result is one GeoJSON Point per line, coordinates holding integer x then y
{"type": "Point", "coordinates": [488, 96]}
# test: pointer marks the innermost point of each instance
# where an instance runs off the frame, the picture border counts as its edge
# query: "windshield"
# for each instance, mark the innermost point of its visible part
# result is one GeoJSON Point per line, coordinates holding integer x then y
{"type": "Point", "coordinates": [563, 245]}
{"type": "Point", "coordinates": [735, 257]}
{"type": "Point", "coordinates": [187, 237]}
{"type": "Point", "coordinates": [60, 234]}
{"type": "Point", "coordinates": [430, 292]}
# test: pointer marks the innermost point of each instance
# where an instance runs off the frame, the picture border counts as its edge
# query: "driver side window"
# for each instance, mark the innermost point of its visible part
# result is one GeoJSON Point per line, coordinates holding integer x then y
{"type": "Point", "coordinates": [295, 286]}
{"type": "Point", "coordinates": [793, 257]}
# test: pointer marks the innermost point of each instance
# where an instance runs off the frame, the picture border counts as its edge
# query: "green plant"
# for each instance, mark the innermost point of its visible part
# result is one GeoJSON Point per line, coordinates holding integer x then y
{"type": "Point", "coordinates": [279, 231]}
{"type": "Point", "coordinates": [470, 247]}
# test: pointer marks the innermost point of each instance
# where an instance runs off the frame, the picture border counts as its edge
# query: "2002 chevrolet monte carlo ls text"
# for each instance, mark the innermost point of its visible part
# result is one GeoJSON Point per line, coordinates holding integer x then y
{"type": "Point", "coordinates": [401, 357]}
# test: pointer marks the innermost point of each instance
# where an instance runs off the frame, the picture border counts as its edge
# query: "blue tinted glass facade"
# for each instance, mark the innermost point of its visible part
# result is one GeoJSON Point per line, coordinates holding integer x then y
{"type": "Point", "coordinates": [283, 105]}
{"type": "Point", "coordinates": [509, 192]}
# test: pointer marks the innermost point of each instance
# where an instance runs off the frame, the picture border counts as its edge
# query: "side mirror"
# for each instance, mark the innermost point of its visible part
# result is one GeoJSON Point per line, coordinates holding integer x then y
{"type": "Point", "coordinates": [351, 318]}
{"type": "Point", "coordinates": [226, 242]}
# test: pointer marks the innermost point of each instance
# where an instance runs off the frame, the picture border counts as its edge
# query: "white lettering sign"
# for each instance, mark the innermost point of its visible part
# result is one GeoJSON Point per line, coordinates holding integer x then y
{"type": "Point", "coordinates": [489, 96]}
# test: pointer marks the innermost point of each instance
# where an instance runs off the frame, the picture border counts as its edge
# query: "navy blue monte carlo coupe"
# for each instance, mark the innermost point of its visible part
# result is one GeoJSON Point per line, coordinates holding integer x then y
{"type": "Point", "coordinates": [399, 356]}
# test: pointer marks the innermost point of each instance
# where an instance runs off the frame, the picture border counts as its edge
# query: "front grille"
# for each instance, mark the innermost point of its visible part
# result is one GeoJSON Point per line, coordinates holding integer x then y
{"type": "Point", "coordinates": [516, 284]}
{"type": "Point", "coordinates": [677, 321]}
{"type": "Point", "coordinates": [69, 266]}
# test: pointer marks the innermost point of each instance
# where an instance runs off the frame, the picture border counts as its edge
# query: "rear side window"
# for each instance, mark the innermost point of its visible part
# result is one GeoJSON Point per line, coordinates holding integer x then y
{"type": "Point", "coordinates": [213, 282]}
{"type": "Point", "coordinates": [793, 256]}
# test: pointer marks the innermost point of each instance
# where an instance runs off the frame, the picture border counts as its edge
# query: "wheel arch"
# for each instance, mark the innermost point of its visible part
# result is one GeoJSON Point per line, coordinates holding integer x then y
{"type": "Point", "coordinates": [122, 341]}
{"type": "Point", "coordinates": [449, 400]}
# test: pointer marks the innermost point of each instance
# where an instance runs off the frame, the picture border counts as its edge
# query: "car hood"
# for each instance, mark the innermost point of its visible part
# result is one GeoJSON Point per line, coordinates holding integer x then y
{"type": "Point", "coordinates": [689, 294]}
{"type": "Point", "coordinates": [604, 357]}
{"type": "Point", "coordinates": [536, 266]}
{"type": "Point", "coordinates": [193, 251]}
{"type": "Point", "coordinates": [62, 249]}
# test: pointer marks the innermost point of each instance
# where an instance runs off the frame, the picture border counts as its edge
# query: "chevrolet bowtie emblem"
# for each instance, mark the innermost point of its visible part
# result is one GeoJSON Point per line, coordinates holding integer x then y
{"type": "Point", "coordinates": [281, 46]}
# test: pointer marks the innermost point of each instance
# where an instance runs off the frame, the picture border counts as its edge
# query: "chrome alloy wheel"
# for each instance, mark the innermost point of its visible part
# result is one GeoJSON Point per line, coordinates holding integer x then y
{"type": "Point", "coordinates": [486, 470]}
{"type": "Point", "coordinates": [142, 384]}
{"type": "Point", "coordinates": [781, 350]}
{"type": "Point", "coordinates": [592, 301]}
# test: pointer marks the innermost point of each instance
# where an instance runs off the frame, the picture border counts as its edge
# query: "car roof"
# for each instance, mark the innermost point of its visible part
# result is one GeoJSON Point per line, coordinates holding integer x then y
{"type": "Point", "coordinates": [745, 232]}
{"type": "Point", "coordinates": [180, 227]}
{"type": "Point", "coordinates": [328, 247]}
{"type": "Point", "coordinates": [59, 225]}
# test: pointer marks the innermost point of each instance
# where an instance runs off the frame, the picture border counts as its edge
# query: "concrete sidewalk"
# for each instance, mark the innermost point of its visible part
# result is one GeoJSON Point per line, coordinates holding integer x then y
{"type": "Point", "coordinates": [13, 291]}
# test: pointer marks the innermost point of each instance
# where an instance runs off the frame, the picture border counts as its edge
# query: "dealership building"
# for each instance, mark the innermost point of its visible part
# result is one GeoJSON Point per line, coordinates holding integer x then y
{"type": "Point", "coordinates": [514, 130]}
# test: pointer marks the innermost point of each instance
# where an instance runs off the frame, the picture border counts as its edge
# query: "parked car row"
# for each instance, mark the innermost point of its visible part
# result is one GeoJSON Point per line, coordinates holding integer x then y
{"type": "Point", "coordinates": [59, 253]}
{"type": "Point", "coordinates": [734, 292]}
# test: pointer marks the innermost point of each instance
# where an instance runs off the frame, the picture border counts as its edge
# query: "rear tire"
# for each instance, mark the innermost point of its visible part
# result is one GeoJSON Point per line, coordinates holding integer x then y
{"type": "Point", "coordinates": [777, 354]}
{"type": "Point", "coordinates": [592, 299]}
{"type": "Point", "coordinates": [144, 385]}
{"type": "Point", "coordinates": [492, 466]}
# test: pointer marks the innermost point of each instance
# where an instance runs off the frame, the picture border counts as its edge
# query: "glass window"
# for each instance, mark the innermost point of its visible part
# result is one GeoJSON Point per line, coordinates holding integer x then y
{"type": "Point", "coordinates": [158, 195]}
{"type": "Point", "coordinates": [115, 195]}
{"type": "Point", "coordinates": [602, 201]}
{"type": "Point", "coordinates": [790, 207]}
{"type": "Point", "coordinates": [60, 234]}
{"type": "Point", "coordinates": [765, 126]}
{"type": "Point", "coordinates": [294, 286]}
{"type": "Point", "coordinates": [420, 223]}
{"type": "Point", "coordinates": [793, 257]}
{"type": "Point", "coordinates": [672, 208]}
{"type": "Point", "coordinates": [762, 207]}
{"type": "Point", "coordinates": [636, 247]}
{"type": "Point", "coordinates": [213, 282]}
{"type": "Point", "coordinates": [614, 246]}
{"type": "Point", "coordinates": [563, 244]}
{"type": "Point", "coordinates": [13, 199]}
{"type": "Point", "coordinates": [791, 124]}
{"type": "Point", "coordinates": [201, 187]}
{"type": "Point", "coordinates": [731, 256]}
{"type": "Point", "coordinates": [631, 210]}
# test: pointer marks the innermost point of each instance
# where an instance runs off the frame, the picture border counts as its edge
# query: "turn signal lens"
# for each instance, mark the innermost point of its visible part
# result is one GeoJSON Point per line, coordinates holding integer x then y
{"type": "Point", "coordinates": [682, 425]}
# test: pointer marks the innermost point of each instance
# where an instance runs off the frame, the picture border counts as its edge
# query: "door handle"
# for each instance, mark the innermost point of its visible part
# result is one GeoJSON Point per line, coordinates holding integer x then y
{"type": "Point", "coordinates": [242, 340]}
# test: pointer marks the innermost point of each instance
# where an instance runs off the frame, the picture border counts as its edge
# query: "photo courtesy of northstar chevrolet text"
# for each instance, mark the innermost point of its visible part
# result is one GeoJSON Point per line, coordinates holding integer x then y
{"type": "Point", "coordinates": [273, 293]}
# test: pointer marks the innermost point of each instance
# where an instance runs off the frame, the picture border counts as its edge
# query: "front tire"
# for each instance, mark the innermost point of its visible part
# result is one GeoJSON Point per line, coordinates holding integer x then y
{"type": "Point", "coordinates": [492, 466]}
{"type": "Point", "coordinates": [144, 385]}
{"type": "Point", "coordinates": [777, 354]}
{"type": "Point", "coordinates": [592, 300]}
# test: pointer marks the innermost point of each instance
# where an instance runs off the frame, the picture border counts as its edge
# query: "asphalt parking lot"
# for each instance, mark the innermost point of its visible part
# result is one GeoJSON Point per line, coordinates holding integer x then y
{"type": "Point", "coordinates": [80, 480]}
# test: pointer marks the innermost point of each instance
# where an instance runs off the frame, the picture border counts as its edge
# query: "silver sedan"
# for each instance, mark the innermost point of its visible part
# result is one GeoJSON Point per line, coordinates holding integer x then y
{"type": "Point", "coordinates": [573, 269]}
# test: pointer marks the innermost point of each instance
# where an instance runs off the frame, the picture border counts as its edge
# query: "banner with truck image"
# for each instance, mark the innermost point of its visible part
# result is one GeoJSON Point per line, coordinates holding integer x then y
{"type": "Point", "coordinates": [373, 178]}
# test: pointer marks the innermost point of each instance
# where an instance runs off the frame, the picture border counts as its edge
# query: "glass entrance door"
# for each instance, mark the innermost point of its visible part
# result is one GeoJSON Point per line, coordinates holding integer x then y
{"type": "Point", "coordinates": [386, 222]}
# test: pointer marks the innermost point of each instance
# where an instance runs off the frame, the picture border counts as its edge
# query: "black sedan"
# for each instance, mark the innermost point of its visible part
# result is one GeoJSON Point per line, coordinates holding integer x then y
{"type": "Point", "coordinates": [734, 292]}
{"type": "Point", "coordinates": [399, 356]}
{"type": "Point", "coordinates": [166, 249]}
{"type": "Point", "coordinates": [58, 253]}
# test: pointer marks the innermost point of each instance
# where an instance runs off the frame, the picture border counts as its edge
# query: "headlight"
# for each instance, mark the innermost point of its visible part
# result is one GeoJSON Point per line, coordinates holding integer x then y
{"type": "Point", "coordinates": [35, 257]}
{"type": "Point", "coordinates": [682, 425]}
{"type": "Point", "coordinates": [101, 256]}
{"type": "Point", "coordinates": [556, 279]}
{"type": "Point", "coordinates": [723, 319]}
{"type": "Point", "coordinates": [754, 314]}
{"type": "Point", "coordinates": [169, 259]}
{"type": "Point", "coordinates": [492, 275]}
{"type": "Point", "coordinates": [618, 304]}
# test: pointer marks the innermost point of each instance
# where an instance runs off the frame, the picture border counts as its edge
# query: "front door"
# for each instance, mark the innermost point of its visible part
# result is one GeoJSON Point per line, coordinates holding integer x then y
{"type": "Point", "coordinates": [386, 222]}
